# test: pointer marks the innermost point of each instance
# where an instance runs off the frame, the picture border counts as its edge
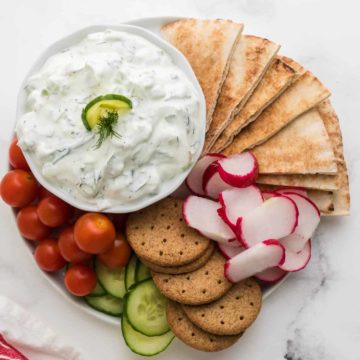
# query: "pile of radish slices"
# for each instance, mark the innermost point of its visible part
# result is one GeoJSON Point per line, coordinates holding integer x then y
{"type": "Point", "coordinates": [262, 233]}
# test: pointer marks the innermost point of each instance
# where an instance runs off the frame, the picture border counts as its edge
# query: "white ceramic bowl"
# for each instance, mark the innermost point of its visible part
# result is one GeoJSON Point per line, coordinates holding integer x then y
{"type": "Point", "coordinates": [166, 188]}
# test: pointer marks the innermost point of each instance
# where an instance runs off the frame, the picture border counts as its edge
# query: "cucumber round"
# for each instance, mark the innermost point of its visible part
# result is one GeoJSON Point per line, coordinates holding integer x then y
{"type": "Point", "coordinates": [142, 272]}
{"type": "Point", "coordinates": [145, 309]}
{"type": "Point", "coordinates": [95, 109]}
{"type": "Point", "coordinates": [112, 280]}
{"type": "Point", "coordinates": [106, 304]}
{"type": "Point", "coordinates": [130, 272]}
{"type": "Point", "coordinates": [98, 291]}
{"type": "Point", "coordinates": [142, 344]}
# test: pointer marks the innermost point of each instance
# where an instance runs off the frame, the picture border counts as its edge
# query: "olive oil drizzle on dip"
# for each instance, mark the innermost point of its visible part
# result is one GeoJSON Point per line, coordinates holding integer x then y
{"type": "Point", "coordinates": [159, 134]}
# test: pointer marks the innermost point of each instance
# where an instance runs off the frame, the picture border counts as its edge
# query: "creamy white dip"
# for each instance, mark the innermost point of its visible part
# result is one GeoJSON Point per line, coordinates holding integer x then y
{"type": "Point", "coordinates": [159, 136]}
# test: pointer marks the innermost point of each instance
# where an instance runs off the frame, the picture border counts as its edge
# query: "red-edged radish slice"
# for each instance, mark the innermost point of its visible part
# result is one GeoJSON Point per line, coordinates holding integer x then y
{"type": "Point", "coordinates": [214, 184]}
{"type": "Point", "coordinates": [265, 255]}
{"type": "Point", "coordinates": [182, 192]}
{"type": "Point", "coordinates": [195, 179]}
{"type": "Point", "coordinates": [240, 170]}
{"type": "Point", "coordinates": [309, 218]}
{"type": "Point", "coordinates": [296, 261]}
{"type": "Point", "coordinates": [294, 189]}
{"type": "Point", "coordinates": [238, 202]}
{"type": "Point", "coordinates": [229, 251]}
{"type": "Point", "coordinates": [201, 214]}
{"type": "Point", "coordinates": [267, 194]}
{"type": "Point", "coordinates": [271, 275]}
{"type": "Point", "coordinates": [276, 218]}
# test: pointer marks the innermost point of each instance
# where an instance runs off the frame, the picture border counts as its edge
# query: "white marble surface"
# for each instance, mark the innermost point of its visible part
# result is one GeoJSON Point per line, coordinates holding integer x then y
{"type": "Point", "coordinates": [315, 315]}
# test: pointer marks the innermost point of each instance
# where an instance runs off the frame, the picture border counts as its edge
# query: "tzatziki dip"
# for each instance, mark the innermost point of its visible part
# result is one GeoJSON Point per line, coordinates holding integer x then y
{"type": "Point", "coordinates": [154, 133]}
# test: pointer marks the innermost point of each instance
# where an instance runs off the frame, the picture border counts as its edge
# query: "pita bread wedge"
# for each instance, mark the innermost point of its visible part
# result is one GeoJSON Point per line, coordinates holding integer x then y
{"type": "Point", "coordinates": [302, 147]}
{"type": "Point", "coordinates": [324, 200]}
{"type": "Point", "coordinates": [319, 182]}
{"type": "Point", "coordinates": [275, 81]}
{"type": "Point", "coordinates": [331, 122]}
{"type": "Point", "coordinates": [301, 96]}
{"type": "Point", "coordinates": [252, 56]}
{"type": "Point", "coordinates": [208, 45]}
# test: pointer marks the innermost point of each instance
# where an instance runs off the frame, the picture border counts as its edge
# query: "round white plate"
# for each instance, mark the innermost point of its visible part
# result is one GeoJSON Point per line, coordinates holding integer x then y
{"type": "Point", "coordinates": [56, 280]}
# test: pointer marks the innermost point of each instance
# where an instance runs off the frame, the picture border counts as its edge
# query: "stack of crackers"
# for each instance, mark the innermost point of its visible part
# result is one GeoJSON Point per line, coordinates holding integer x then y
{"type": "Point", "coordinates": [204, 310]}
{"type": "Point", "coordinates": [260, 100]}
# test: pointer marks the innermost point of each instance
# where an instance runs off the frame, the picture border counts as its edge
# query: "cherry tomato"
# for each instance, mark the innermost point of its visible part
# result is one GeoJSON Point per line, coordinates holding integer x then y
{"type": "Point", "coordinates": [48, 256]}
{"type": "Point", "coordinates": [53, 211]}
{"type": "Point", "coordinates": [19, 188]}
{"type": "Point", "coordinates": [30, 225]}
{"type": "Point", "coordinates": [43, 193]}
{"type": "Point", "coordinates": [68, 248]}
{"type": "Point", "coordinates": [94, 233]}
{"type": "Point", "coordinates": [16, 157]}
{"type": "Point", "coordinates": [118, 256]}
{"type": "Point", "coordinates": [80, 280]}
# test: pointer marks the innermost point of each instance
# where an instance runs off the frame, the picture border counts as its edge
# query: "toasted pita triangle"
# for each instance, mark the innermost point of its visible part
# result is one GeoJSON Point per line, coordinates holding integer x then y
{"type": "Point", "coordinates": [331, 122]}
{"type": "Point", "coordinates": [208, 46]}
{"type": "Point", "coordinates": [275, 81]}
{"type": "Point", "coordinates": [302, 147]}
{"type": "Point", "coordinates": [319, 182]}
{"type": "Point", "coordinates": [252, 56]}
{"type": "Point", "coordinates": [324, 200]}
{"type": "Point", "coordinates": [303, 95]}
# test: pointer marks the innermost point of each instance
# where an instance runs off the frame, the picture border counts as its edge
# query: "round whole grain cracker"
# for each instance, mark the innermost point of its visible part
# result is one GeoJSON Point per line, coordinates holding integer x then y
{"type": "Point", "coordinates": [159, 235]}
{"type": "Point", "coordinates": [201, 286]}
{"type": "Point", "coordinates": [183, 269]}
{"type": "Point", "coordinates": [231, 314]}
{"type": "Point", "coordinates": [192, 335]}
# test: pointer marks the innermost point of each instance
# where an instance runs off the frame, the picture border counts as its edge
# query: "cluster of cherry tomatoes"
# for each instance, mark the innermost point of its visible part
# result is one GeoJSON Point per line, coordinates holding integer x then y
{"type": "Point", "coordinates": [62, 234]}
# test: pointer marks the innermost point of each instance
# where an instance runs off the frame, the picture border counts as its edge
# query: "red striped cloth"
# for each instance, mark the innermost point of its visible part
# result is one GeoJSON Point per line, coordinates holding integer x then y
{"type": "Point", "coordinates": [8, 352]}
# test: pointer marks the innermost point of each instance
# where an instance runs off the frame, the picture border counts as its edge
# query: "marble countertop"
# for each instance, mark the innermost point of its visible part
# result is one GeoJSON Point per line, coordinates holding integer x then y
{"type": "Point", "coordinates": [315, 315]}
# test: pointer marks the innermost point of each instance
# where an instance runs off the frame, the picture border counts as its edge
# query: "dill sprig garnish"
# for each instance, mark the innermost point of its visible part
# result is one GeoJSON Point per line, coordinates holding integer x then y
{"type": "Point", "coordinates": [105, 127]}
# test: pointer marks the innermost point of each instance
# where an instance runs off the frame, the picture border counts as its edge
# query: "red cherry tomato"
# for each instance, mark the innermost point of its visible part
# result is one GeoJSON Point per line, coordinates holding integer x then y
{"type": "Point", "coordinates": [53, 211]}
{"type": "Point", "coordinates": [43, 193]}
{"type": "Point", "coordinates": [80, 280]}
{"type": "Point", "coordinates": [19, 188]}
{"type": "Point", "coordinates": [94, 233]}
{"type": "Point", "coordinates": [118, 256]}
{"type": "Point", "coordinates": [16, 157]}
{"type": "Point", "coordinates": [30, 225]}
{"type": "Point", "coordinates": [48, 257]}
{"type": "Point", "coordinates": [68, 248]}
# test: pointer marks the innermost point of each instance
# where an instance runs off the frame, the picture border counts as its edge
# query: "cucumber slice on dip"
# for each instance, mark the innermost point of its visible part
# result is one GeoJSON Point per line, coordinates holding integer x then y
{"type": "Point", "coordinates": [98, 108]}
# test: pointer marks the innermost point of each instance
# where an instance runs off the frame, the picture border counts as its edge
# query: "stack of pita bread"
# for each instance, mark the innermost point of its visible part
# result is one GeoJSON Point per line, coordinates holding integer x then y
{"type": "Point", "coordinates": [257, 99]}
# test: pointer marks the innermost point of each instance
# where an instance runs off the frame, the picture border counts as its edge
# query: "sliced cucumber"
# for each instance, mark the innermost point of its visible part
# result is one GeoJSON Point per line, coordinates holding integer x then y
{"type": "Point", "coordinates": [107, 304]}
{"type": "Point", "coordinates": [145, 309]}
{"type": "Point", "coordinates": [112, 280]}
{"type": "Point", "coordinates": [98, 291]}
{"type": "Point", "coordinates": [96, 109]}
{"type": "Point", "coordinates": [142, 344]}
{"type": "Point", "coordinates": [142, 272]}
{"type": "Point", "coordinates": [130, 272]}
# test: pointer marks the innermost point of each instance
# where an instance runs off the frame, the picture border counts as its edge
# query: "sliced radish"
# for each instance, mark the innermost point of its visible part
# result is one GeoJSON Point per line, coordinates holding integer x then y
{"type": "Point", "coordinates": [201, 214]}
{"type": "Point", "coordinates": [294, 189]}
{"type": "Point", "coordinates": [271, 275]}
{"type": "Point", "coordinates": [276, 218]}
{"type": "Point", "coordinates": [182, 192]}
{"type": "Point", "coordinates": [195, 179]}
{"type": "Point", "coordinates": [238, 202]}
{"type": "Point", "coordinates": [309, 218]}
{"type": "Point", "coordinates": [239, 170]}
{"type": "Point", "coordinates": [230, 251]}
{"type": "Point", "coordinates": [267, 194]}
{"type": "Point", "coordinates": [214, 184]}
{"type": "Point", "coordinates": [267, 254]}
{"type": "Point", "coordinates": [296, 261]}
